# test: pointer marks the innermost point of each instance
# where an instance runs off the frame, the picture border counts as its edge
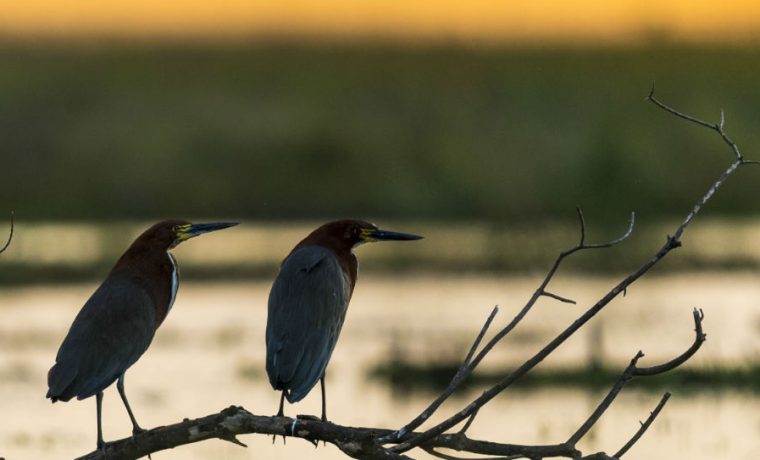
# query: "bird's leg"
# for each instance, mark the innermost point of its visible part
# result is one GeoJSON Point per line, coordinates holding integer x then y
{"type": "Point", "coordinates": [120, 386]}
{"type": "Point", "coordinates": [324, 402]}
{"type": "Point", "coordinates": [281, 412]}
{"type": "Point", "coordinates": [99, 405]}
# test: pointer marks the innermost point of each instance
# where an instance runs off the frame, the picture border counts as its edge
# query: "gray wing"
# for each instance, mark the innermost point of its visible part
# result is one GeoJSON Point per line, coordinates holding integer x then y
{"type": "Point", "coordinates": [307, 306]}
{"type": "Point", "coordinates": [113, 329]}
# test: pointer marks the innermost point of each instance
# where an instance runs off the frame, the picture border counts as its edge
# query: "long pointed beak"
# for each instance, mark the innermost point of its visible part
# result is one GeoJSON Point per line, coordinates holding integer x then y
{"type": "Point", "coordinates": [387, 235]}
{"type": "Point", "coordinates": [193, 230]}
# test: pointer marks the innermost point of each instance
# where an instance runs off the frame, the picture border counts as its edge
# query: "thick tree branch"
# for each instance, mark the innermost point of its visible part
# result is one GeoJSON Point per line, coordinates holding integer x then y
{"type": "Point", "coordinates": [355, 442]}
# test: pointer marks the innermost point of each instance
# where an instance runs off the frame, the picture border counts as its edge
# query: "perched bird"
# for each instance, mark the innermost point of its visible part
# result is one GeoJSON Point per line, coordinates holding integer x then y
{"type": "Point", "coordinates": [308, 303]}
{"type": "Point", "coordinates": [117, 324]}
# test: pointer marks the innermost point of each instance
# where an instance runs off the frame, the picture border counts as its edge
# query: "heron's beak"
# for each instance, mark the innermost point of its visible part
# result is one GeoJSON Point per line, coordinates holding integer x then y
{"type": "Point", "coordinates": [185, 232]}
{"type": "Point", "coordinates": [387, 235]}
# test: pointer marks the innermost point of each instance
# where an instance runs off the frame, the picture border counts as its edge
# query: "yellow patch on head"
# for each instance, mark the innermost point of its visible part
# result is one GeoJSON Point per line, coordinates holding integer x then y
{"type": "Point", "coordinates": [182, 232]}
{"type": "Point", "coordinates": [366, 235]}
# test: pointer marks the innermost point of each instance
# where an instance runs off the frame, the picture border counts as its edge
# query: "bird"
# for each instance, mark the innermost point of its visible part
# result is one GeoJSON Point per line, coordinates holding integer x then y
{"type": "Point", "coordinates": [308, 303]}
{"type": "Point", "coordinates": [117, 324]}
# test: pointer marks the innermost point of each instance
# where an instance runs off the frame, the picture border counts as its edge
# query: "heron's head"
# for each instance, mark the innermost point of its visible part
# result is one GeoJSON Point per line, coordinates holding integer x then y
{"type": "Point", "coordinates": [168, 234]}
{"type": "Point", "coordinates": [350, 233]}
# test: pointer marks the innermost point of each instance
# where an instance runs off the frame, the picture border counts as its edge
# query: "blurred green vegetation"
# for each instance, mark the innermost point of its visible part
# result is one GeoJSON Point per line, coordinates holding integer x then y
{"type": "Point", "coordinates": [433, 377]}
{"type": "Point", "coordinates": [282, 131]}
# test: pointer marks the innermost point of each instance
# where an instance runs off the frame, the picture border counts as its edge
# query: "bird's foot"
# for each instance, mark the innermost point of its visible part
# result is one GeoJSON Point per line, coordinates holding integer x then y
{"type": "Point", "coordinates": [136, 429]}
{"type": "Point", "coordinates": [102, 447]}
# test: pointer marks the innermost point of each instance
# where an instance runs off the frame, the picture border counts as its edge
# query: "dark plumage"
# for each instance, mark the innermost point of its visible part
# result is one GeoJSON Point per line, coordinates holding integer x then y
{"type": "Point", "coordinates": [308, 304]}
{"type": "Point", "coordinates": [118, 322]}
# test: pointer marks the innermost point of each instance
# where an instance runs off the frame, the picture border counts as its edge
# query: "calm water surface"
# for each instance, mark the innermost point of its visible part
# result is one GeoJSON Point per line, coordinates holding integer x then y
{"type": "Point", "coordinates": [209, 354]}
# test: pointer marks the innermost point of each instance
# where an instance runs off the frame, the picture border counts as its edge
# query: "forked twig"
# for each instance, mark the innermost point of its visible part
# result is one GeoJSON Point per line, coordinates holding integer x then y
{"type": "Point", "coordinates": [644, 426]}
{"type": "Point", "coordinates": [672, 242]}
{"type": "Point", "coordinates": [468, 367]}
{"type": "Point", "coordinates": [634, 371]}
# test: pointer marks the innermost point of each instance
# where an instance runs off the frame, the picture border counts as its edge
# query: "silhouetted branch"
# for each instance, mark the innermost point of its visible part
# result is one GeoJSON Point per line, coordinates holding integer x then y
{"type": "Point", "coordinates": [464, 372]}
{"type": "Point", "coordinates": [644, 426]}
{"type": "Point", "coordinates": [376, 443]}
{"type": "Point", "coordinates": [672, 242]}
{"type": "Point", "coordinates": [10, 237]}
{"type": "Point", "coordinates": [355, 442]}
{"type": "Point", "coordinates": [633, 371]}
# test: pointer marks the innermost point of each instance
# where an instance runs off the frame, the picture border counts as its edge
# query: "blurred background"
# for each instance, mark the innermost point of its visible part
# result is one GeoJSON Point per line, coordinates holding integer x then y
{"type": "Point", "coordinates": [479, 124]}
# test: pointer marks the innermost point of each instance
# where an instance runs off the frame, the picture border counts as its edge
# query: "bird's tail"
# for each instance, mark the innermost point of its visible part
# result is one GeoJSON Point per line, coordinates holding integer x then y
{"type": "Point", "coordinates": [59, 381]}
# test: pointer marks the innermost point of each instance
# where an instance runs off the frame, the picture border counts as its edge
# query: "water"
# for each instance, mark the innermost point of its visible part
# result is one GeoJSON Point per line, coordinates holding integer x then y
{"type": "Point", "coordinates": [209, 354]}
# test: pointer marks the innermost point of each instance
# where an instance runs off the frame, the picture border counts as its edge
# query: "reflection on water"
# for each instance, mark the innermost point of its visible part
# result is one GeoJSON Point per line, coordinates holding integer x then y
{"type": "Point", "coordinates": [210, 354]}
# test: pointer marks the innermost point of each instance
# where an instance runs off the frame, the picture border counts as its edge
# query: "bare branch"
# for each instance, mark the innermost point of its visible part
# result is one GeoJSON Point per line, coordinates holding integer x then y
{"type": "Point", "coordinates": [607, 401]}
{"type": "Point", "coordinates": [558, 297]}
{"type": "Point", "coordinates": [633, 371]}
{"type": "Point", "coordinates": [355, 442]}
{"type": "Point", "coordinates": [670, 244]}
{"type": "Point", "coordinates": [717, 127]}
{"type": "Point", "coordinates": [10, 236]}
{"type": "Point", "coordinates": [437, 454]}
{"type": "Point", "coordinates": [482, 333]}
{"type": "Point", "coordinates": [465, 372]}
{"type": "Point", "coordinates": [583, 245]}
{"type": "Point", "coordinates": [672, 364]}
{"type": "Point", "coordinates": [644, 426]}
{"type": "Point", "coordinates": [468, 423]}
{"type": "Point", "coordinates": [372, 443]}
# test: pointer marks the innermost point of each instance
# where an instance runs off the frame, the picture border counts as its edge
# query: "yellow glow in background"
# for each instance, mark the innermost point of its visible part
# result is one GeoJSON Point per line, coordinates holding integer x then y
{"type": "Point", "coordinates": [470, 20]}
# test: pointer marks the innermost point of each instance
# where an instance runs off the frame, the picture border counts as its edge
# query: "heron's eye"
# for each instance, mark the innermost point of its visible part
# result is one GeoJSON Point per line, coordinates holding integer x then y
{"type": "Point", "coordinates": [175, 229]}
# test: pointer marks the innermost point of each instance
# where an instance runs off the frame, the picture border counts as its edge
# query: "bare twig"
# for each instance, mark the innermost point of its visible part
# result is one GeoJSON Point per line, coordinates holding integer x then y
{"type": "Point", "coordinates": [558, 297]}
{"type": "Point", "coordinates": [464, 372]}
{"type": "Point", "coordinates": [633, 371]}
{"type": "Point", "coordinates": [672, 242]}
{"type": "Point", "coordinates": [607, 401]}
{"type": "Point", "coordinates": [10, 236]}
{"type": "Point", "coordinates": [644, 426]}
{"type": "Point", "coordinates": [468, 423]}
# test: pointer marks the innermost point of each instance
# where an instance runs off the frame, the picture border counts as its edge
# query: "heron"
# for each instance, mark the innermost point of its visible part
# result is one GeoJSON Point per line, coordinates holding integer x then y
{"type": "Point", "coordinates": [308, 303]}
{"type": "Point", "coordinates": [117, 324]}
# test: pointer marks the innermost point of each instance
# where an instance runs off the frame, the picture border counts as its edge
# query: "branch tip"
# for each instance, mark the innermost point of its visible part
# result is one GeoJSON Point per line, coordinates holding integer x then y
{"type": "Point", "coordinates": [644, 426]}
{"type": "Point", "coordinates": [10, 235]}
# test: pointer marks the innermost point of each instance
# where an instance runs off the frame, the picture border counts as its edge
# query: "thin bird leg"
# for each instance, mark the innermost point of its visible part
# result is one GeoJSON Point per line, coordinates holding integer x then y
{"type": "Point", "coordinates": [281, 412]}
{"type": "Point", "coordinates": [120, 386]}
{"type": "Point", "coordinates": [99, 405]}
{"type": "Point", "coordinates": [324, 403]}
